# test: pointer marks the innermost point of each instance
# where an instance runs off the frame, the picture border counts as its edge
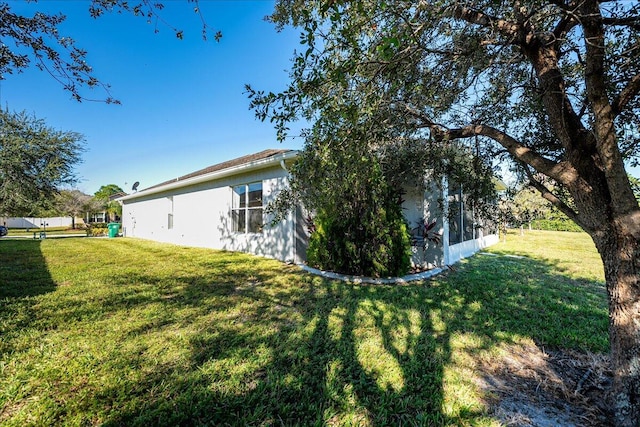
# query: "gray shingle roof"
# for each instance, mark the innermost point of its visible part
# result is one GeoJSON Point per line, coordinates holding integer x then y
{"type": "Point", "coordinates": [225, 165]}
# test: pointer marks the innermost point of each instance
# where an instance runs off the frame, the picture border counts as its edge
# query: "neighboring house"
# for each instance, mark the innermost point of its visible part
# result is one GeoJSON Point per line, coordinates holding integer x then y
{"type": "Point", "coordinates": [99, 217]}
{"type": "Point", "coordinates": [103, 215]}
{"type": "Point", "coordinates": [222, 207]}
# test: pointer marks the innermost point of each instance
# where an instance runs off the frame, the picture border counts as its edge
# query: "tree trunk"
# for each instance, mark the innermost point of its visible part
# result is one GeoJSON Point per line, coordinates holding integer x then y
{"type": "Point", "coordinates": [620, 252]}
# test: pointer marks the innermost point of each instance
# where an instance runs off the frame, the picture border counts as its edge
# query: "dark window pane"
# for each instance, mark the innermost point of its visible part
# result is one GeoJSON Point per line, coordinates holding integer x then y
{"type": "Point", "coordinates": [255, 221]}
{"type": "Point", "coordinates": [239, 220]}
{"type": "Point", "coordinates": [468, 224]}
{"type": "Point", "coordinates": [255, 195]}
{"type": "Point", "coordinates": [454, 230]}
{"type": "Point", "coordinates": [239, 196]}
{"type": "Point", "coordinates": [455, 220]}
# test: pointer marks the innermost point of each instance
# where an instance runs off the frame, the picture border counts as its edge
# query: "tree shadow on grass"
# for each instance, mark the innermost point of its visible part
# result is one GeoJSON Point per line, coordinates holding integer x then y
{"type": "Point", "coordinates": [303, 369]}
{"type": "Point", "coordinates": [343, 354]}
{"type": "Point", "coordinates": [272, 346]}
{"type": "Point", "coordinates": [23, 277]}
{"type": "Point", "coordinates": [23, 270]}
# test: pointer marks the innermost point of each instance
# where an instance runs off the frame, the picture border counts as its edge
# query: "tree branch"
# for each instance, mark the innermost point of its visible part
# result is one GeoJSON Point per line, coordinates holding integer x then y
{"type": "Point", "coordinates": [552, 198]}
{"type": "Point", "coordinates": [622, 198]}
{"type": "Point", "coordinates": [630, 21]}
{"type": "Point", "coordinates": [564, 26]}
{"type": "Point", "coordinates": [506, 28]}
{"type": "Point", "coordinates": [562, 172]}
{"type": "Point", "coordinates": [626, 95]}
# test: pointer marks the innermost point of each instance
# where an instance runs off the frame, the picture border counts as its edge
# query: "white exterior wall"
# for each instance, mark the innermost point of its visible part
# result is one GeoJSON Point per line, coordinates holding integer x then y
{"type": "Point", "coordinates": [465, 249]}
{"type": "Point", "coordinates": [202, 217]}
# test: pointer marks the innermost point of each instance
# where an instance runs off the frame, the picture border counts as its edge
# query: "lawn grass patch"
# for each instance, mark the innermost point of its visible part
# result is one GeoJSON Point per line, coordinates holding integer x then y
{"type": "Point", "coordinates": [131, 332]}
{"type": "Point", "coordinates": [53, 231]}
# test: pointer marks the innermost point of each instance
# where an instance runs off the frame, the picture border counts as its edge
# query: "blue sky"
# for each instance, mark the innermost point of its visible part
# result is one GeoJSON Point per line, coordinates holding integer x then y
{"type": "Point", "coordinates": [183, 101]}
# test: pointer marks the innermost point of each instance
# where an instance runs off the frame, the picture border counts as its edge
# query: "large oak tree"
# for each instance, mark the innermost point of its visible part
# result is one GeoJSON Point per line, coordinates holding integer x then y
{"type": "Point", "coordinates": [35, 161]}
{"type": "Point", "coordinates": [551, 84]}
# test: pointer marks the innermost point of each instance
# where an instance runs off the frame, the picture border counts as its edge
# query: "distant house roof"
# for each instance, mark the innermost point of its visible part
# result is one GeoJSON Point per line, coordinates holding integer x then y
{"type": "Point", "coordinates": [240, 164]}
{"type": "Point", "coordinates": [117, 195]}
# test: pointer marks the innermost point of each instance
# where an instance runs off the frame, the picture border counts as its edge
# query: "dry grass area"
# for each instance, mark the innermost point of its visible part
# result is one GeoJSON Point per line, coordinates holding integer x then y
{"type": "Point", "coordinates": [531, 387]}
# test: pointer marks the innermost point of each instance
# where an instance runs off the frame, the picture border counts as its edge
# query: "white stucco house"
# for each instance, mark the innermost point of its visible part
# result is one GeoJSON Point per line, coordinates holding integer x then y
{"type": "Point", "coordinates": [223, 207]}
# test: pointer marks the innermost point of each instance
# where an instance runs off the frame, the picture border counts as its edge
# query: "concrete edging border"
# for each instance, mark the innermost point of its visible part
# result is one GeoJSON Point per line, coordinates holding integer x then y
{"type": "Point", "coordinates": [370, 280]}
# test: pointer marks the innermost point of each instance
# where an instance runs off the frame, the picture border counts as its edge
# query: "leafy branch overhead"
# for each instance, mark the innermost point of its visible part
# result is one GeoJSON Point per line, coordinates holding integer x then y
{"type": "Point", "coordinates": [449, 71]}
{"type": "Point", "coordinates": [36, 41]}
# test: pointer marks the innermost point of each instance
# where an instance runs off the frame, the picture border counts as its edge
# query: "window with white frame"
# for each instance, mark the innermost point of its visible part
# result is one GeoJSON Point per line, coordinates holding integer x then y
{"type": "Point", "coordinates": [247, 209]}
{"type": "Point", "coordinates": [170, 213]}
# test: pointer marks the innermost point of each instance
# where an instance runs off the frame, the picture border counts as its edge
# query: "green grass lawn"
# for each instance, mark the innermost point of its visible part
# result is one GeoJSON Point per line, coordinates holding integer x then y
{"type": "Point", "coordinates": [129, 332]}
{"type": "Point", "coordinates": [50, 231]}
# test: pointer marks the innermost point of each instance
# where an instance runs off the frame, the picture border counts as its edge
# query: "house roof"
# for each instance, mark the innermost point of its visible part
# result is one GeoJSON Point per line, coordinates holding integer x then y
{"type": "Point", "coordinates": [117, 195]}
{"type": "Point", "coordinates": [241, 164]}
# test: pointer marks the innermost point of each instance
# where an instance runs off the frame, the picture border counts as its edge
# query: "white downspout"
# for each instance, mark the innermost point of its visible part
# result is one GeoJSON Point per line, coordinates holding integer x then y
{"type": "Point", "coordinates": [445, 221]}
{"type": "Point", "coordinates": [293, 252]}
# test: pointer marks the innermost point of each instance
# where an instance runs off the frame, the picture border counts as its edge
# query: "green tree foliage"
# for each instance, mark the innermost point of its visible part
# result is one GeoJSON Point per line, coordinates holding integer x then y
{"type": "Point", "coordinates": [35, 160]}
{"type": "Point", "coordinates": [103, 199]}
{"type": "Point", "coordinates": [529, 206]}
{"type": "Point", "coordinates": [358, 227]}
{"type": "Point", "coordinates": [354, 190]}
{"type": "Point", "coordinates": [106, 191]}
{"type": "Point", "coordinates": [345, 129]}
{"type": "Point", "coordinates": [551, 85]}
{"type": "Point", "coordinates": [526, 207]}
{"type": "Point", "coordinates": [635, 185]}
{"type": "Point", "coordinates": [38, 40]}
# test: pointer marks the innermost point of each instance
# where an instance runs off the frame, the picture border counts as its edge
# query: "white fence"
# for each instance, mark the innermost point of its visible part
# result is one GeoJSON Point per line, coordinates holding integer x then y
{"type": "Point", "coordinates": [26, 222]}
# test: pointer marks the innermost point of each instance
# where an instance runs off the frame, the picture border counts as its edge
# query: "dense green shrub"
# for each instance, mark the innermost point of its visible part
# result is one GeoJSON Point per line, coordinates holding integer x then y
{"type": "Point", "coordinates": [376, 247]}
{"type": "Point", "coordinates": [555, 225]}
{"type": "Point", "coordinates": [362, 230]}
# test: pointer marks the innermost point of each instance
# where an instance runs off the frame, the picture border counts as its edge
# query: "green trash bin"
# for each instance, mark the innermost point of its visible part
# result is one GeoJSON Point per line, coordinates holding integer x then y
{"type": "Point", "coordinates": [113, 227]}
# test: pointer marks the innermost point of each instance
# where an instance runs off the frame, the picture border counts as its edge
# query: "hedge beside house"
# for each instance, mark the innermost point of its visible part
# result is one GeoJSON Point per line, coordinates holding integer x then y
{"type": "Point", "coordinates": [555, 225]}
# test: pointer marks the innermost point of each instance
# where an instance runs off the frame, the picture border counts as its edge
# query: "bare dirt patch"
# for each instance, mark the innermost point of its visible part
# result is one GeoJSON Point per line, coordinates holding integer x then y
{"type": "Point", "coordinates": [533, 387]}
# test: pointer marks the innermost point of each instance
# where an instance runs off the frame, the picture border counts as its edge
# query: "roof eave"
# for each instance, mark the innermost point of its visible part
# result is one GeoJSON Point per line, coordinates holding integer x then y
{"type": "Point", "coordinates": [234, 170]}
